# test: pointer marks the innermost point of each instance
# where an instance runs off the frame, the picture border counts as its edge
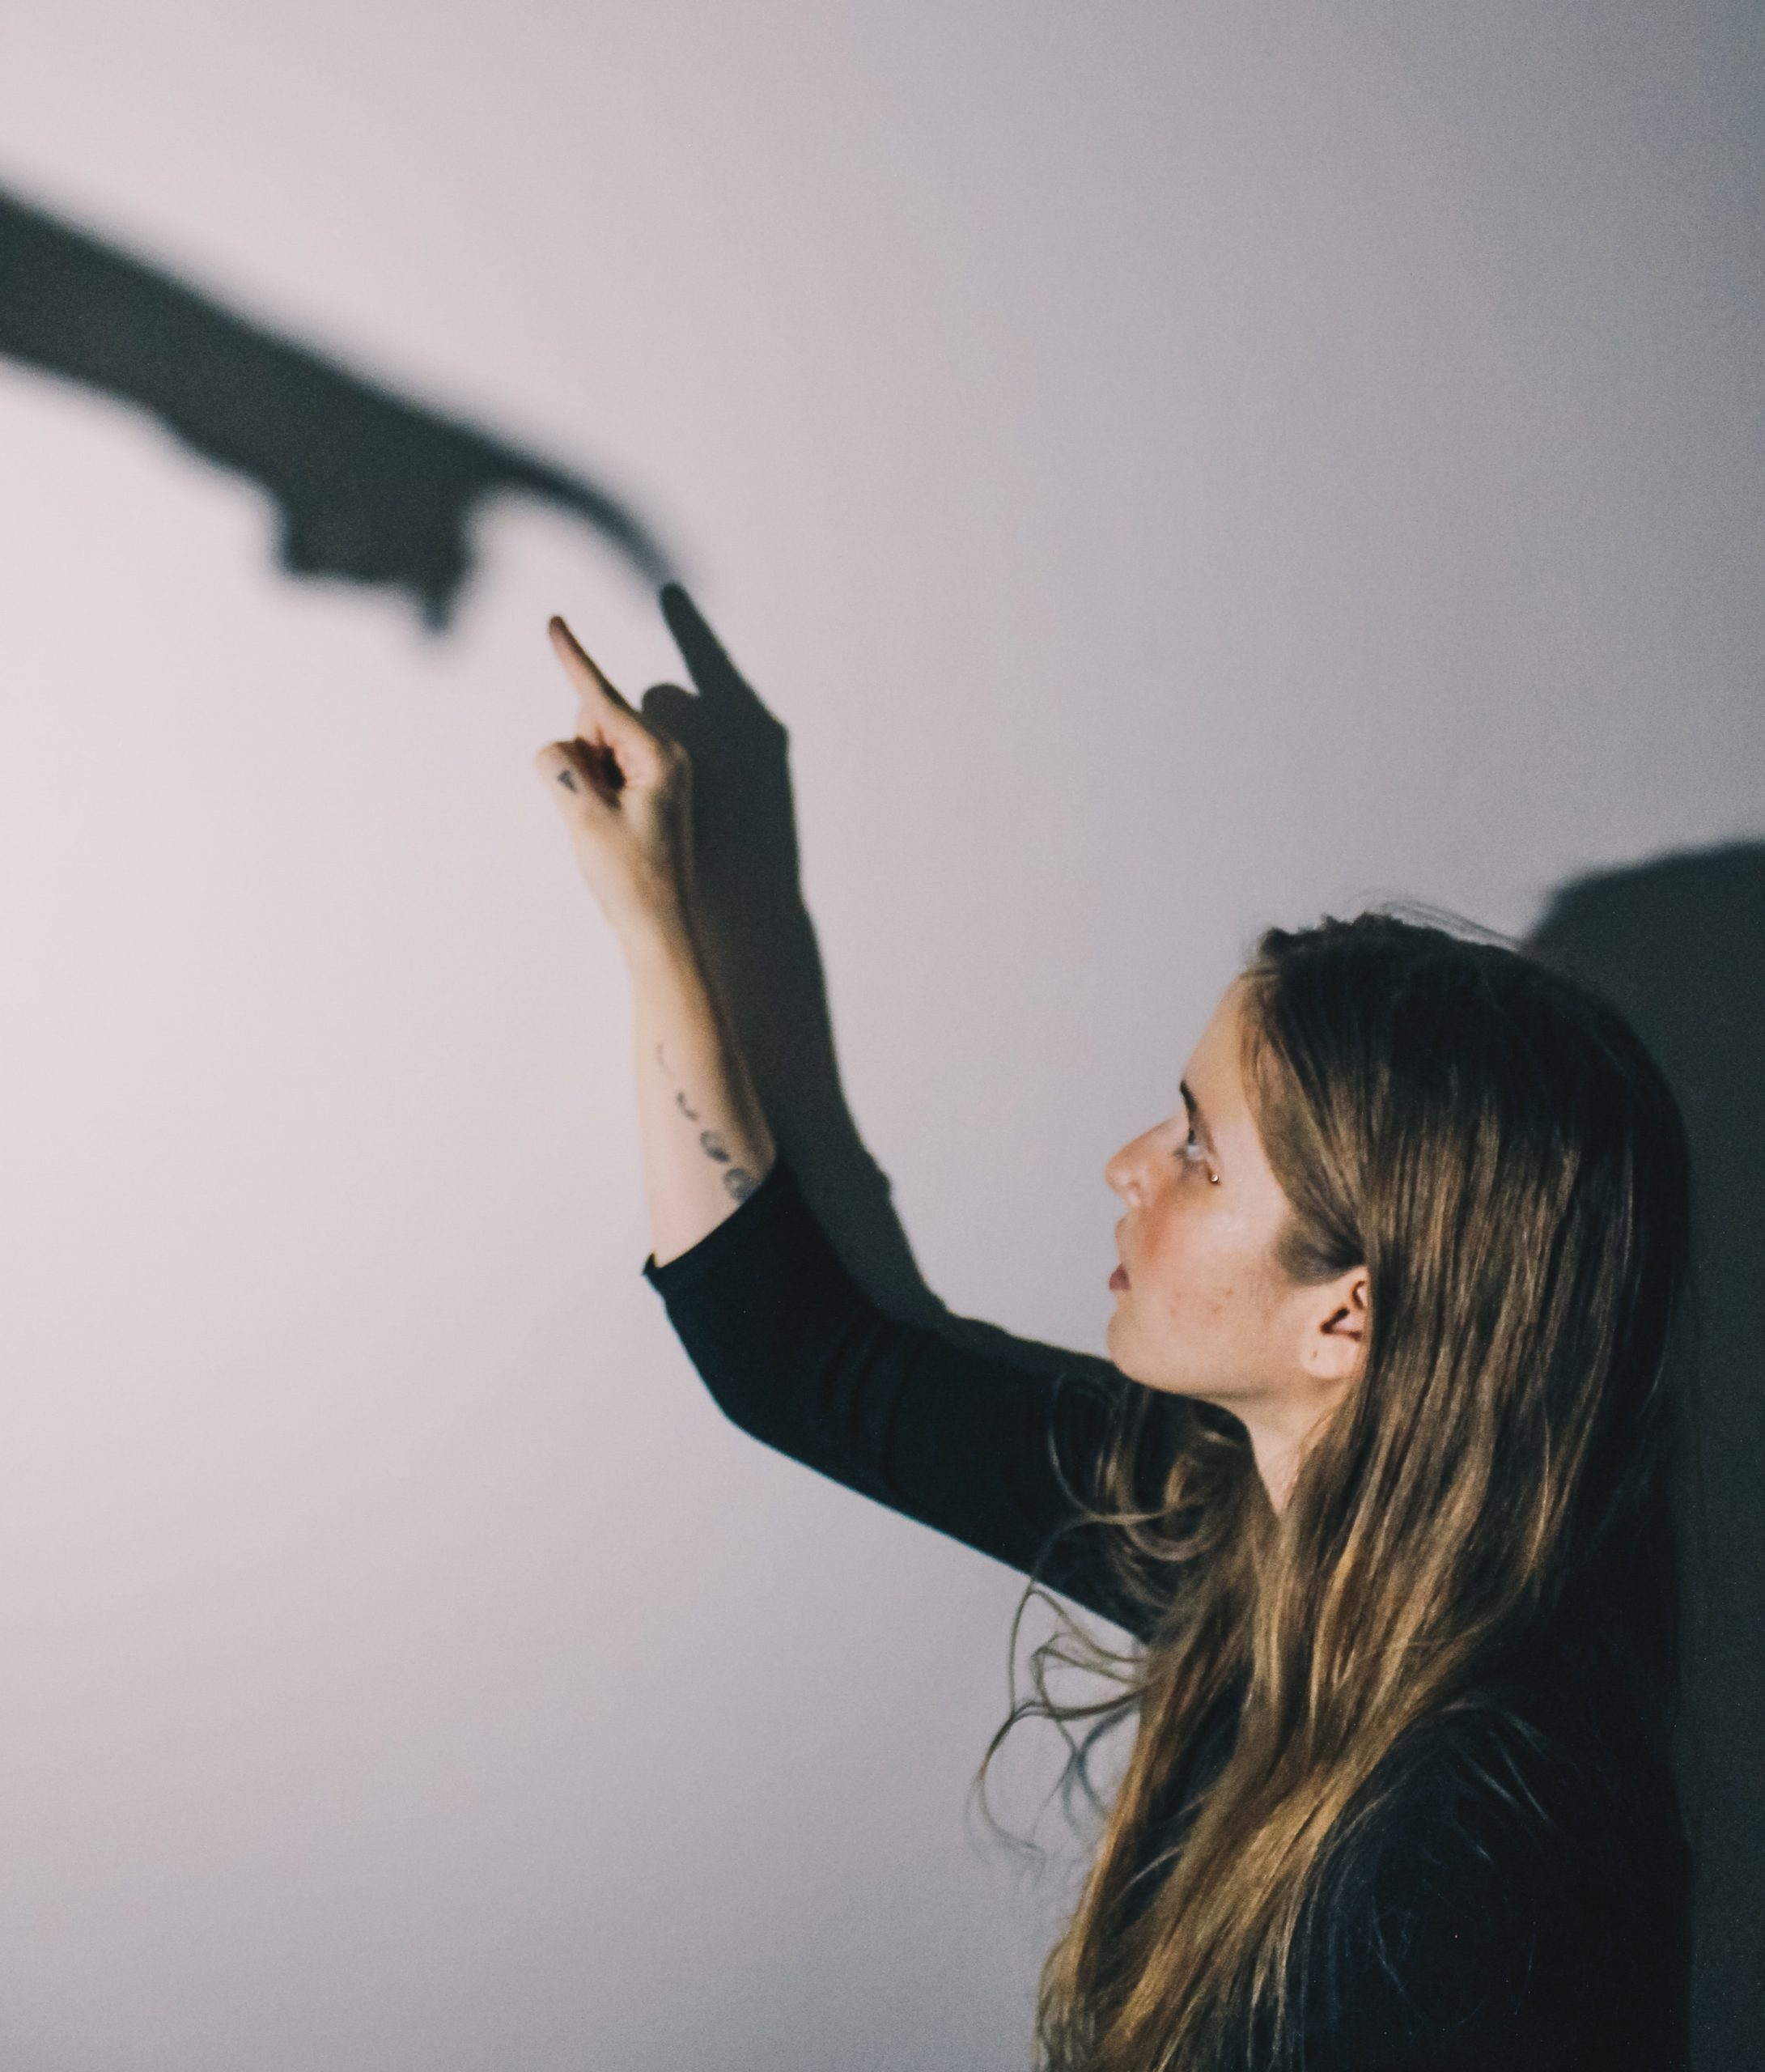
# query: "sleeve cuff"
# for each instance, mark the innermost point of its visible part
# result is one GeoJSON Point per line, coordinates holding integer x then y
{"type": "Point", "coordinates": [737, 1230]}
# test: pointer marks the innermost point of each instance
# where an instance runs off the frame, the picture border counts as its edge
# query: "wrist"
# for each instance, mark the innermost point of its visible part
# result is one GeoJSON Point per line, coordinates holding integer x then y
{"type": "Point", "coordinates": [661, 933]}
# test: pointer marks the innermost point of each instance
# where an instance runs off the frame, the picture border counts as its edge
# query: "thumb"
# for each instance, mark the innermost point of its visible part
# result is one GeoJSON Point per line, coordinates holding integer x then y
{"type": "Point", "coordinates": [558, 764]}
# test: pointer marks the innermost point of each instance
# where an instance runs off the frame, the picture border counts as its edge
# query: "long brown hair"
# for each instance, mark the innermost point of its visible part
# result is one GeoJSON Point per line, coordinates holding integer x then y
{"type": "Point", "coordinates": [1492, 1141]}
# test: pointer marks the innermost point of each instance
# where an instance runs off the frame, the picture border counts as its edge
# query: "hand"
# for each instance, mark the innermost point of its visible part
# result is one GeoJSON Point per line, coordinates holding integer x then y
{"type": "Point", "coordinates": [626, 791]}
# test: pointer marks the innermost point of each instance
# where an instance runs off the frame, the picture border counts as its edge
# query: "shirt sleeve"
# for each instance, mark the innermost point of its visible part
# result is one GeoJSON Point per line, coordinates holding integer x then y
{"type": "Point", "coordinates": [796, 1354]}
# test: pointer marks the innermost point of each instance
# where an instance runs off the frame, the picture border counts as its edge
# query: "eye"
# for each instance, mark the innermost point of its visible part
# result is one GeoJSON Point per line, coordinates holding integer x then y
{"type": "Point", "coordinates": [1194, 1157]}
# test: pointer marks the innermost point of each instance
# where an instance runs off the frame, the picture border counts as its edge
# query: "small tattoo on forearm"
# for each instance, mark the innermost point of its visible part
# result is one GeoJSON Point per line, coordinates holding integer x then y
{"type": "Point", "coordinates": [566, 780]}
{"type": "Point", "coordinates": [739, 1182]}
{"type": "Point", "coordinates": [709, 1141]}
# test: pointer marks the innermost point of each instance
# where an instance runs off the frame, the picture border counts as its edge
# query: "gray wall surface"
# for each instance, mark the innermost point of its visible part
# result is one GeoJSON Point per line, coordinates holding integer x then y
{"type": "Point", "coordinates": [1170, 467]}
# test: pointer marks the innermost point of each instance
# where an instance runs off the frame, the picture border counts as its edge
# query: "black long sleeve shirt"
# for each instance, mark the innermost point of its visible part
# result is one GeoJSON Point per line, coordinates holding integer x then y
{"type": "Point", "coordinates": [1522, 1904]}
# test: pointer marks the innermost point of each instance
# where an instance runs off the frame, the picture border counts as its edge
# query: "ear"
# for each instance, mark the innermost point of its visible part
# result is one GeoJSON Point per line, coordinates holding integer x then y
{"type": "Point", "coordinates": [1337, 1335]}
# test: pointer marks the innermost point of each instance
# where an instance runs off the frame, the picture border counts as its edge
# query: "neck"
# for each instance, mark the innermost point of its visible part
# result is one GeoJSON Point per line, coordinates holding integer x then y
{"type": "Point", "coordinates": [1278, 1457]}
{"type": "Point", "coordinates": [1279, 1439]}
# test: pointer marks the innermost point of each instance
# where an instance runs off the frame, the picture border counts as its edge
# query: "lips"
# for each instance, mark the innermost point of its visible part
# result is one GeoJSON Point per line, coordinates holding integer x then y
{"type": "Point", "coordinates": [1118, 1278]}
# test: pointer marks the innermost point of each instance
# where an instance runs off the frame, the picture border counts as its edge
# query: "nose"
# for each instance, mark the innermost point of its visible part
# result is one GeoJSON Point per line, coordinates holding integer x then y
{"type": "Point", "coordinates": [1121, 1172]}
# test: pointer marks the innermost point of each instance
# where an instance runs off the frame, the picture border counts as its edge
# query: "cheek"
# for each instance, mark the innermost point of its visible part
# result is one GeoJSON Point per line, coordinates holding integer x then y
{"type": "Point", "coordinates": [1202, 1272]}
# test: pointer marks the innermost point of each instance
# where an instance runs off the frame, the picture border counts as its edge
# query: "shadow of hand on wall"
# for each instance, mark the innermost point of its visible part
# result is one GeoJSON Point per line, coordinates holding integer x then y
{"type": "Point", "coordinates": [371, 488]}
{"type": "Point", "coordinates": [761, 945]}
{"type": "Point", "coordinates": [1679, 944]}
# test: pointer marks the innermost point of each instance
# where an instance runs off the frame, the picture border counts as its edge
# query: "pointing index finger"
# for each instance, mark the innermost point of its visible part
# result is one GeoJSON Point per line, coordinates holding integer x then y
{"type": "Point", "coordinates": [580, 664]}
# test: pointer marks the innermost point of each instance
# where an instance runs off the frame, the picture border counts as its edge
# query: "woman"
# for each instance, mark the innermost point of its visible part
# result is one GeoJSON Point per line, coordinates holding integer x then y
{"type": "Point", "coordinates": [1380, 1486]}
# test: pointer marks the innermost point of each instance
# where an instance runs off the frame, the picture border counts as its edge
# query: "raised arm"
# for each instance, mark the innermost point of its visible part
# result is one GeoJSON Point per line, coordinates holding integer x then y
{"type": "Point", "coordinates": [788, 1343]}
{"type": "Point", "coordinates": [625, 790]}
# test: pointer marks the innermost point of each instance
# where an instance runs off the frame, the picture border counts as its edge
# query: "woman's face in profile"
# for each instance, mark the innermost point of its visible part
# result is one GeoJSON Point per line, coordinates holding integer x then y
{"type": "Point", "coordinates": [1207, 1310]}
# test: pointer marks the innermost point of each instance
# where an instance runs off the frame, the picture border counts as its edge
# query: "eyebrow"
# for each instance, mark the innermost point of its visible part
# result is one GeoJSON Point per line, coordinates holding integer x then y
{"type": "Point", "coordinates": [1197, 1118]}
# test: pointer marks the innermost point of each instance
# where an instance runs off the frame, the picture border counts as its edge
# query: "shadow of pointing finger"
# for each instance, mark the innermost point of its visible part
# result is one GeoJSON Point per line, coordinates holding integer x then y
{"type": "Point", "coordinates": [371, 488]}
{"type": "Point", "coordinates": [761, 945]}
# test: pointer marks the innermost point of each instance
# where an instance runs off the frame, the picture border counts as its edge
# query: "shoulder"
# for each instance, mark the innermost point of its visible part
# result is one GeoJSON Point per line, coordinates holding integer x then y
{"type": "Point", "coordinates": [1429, 1912]}
{"type": "Point", "coordinates": [1502, 1895]}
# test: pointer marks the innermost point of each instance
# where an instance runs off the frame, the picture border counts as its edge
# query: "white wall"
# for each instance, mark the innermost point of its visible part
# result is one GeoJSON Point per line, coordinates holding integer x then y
{"type": "Point", "coordinates": [1171, 467]}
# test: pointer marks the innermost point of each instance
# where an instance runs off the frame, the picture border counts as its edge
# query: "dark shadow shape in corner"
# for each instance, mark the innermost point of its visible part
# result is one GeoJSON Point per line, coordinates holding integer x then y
{"type": "Point", "coordinates": [371, 488]}
{"type": "Point", "coordinates": [761, 946]}
{"type": "Point", "coordinates": [1679, 944]}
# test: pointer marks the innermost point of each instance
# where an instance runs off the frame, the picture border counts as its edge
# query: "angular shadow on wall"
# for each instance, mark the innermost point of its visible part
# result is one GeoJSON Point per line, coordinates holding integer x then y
{"type": "Point", "coordinates": [1679, 944]}
{"type": "Point", "coordinates": [371, 487]}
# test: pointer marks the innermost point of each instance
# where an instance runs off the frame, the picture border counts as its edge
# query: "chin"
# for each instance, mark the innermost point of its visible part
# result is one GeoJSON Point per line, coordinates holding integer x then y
{"type": "Point", "coordinates": [1125, 1363]}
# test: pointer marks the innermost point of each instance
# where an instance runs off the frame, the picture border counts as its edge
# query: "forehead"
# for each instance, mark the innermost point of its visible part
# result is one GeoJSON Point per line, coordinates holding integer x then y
{"type": "Point", "coordinates": [1214, 1070]}
{"type": "Point", "coordinates": [1216, 1077]}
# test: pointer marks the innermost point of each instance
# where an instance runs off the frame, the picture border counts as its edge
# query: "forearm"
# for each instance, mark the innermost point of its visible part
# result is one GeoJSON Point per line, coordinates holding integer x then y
{"type": "Point", "coordinates": [705, 1140]}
